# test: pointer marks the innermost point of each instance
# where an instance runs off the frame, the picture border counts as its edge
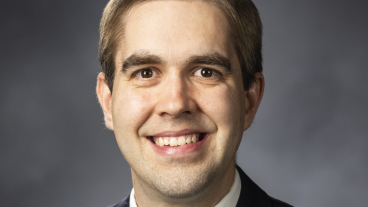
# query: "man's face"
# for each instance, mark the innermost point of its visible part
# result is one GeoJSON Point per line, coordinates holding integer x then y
{"type": "Point", "coordinates": [174, 81]}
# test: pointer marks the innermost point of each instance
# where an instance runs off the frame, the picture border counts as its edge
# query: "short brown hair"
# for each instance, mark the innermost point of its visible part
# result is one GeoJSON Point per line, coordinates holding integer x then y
{"type": "Point", "coordinates": [242, 15]}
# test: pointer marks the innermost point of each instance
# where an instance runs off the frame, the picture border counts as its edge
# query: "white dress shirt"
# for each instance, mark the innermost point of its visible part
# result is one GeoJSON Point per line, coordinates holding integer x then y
{"type": "Point", "coordinates": [229, 200]}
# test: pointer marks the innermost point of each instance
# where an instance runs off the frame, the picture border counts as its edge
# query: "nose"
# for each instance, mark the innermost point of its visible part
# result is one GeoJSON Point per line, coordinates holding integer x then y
{"type": "Point", "coordinates": [176, 98]}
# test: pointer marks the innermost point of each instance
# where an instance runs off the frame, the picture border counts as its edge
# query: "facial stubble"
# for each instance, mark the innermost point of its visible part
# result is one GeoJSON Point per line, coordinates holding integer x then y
{"type": "Point", "coordinates": [183, 181]}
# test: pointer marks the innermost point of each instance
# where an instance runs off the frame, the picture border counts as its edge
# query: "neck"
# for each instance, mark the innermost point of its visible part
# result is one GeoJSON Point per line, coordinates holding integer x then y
{"type": "Point", "coordinates": [146, 195]}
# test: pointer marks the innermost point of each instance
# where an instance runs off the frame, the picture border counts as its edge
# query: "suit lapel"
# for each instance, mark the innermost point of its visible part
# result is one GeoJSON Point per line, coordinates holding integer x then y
{"type": "Point", "coordinates": [251, 195]}
{"type": "Point", "coordinates": [123, 203]}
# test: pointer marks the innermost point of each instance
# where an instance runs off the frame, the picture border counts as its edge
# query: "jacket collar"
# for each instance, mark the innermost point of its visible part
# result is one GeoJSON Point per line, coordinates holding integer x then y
{"type": "Point", "coordinates": [250, 194]}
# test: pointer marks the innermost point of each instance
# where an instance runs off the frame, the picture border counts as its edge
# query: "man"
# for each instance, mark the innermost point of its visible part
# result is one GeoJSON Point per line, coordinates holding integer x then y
{"type": "Point", "coordinates": [181, 82]}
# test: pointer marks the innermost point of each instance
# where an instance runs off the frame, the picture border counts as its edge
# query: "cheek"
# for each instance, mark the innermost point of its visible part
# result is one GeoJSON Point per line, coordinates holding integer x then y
{"type": "Point", "coordinates": [222, 104]}
{"type": "Point", "coordinates": [130, 110]}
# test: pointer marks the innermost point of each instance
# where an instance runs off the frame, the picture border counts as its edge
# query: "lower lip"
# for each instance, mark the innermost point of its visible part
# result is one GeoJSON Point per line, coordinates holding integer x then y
{"type": "Point", "coordinates": [182, 150]}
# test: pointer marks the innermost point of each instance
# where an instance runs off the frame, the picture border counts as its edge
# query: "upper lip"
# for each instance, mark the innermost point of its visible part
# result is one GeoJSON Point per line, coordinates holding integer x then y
{"type": "Point", "coordinates": [176, 133]}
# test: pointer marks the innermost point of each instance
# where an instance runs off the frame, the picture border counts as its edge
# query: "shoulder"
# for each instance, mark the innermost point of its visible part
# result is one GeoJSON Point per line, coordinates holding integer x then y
{"type": "Point", "coordinates": [122, 203]}
{"type": "Point", "coordinates": [278, 203]}
{"type": "Point", "coordinates": [252, 195]}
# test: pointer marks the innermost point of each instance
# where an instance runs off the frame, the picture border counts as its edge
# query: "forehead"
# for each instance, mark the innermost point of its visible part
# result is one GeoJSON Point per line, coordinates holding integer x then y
{"type": "Point", "coordinates": [175, 30]}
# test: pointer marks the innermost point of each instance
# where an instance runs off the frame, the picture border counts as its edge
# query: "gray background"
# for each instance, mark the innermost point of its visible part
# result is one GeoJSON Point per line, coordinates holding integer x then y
{"type": "Point", "coordinates": [307, 145]}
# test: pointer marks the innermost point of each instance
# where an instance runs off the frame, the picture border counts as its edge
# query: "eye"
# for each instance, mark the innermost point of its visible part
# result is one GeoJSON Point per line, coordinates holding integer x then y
{"type": "Point", "coordinates": [206, 72]}
{"type": "Point", "coordinates": [145, 73]}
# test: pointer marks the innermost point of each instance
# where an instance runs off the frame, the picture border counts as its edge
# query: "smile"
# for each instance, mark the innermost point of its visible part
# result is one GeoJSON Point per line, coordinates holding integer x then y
{"type": "Point", "coordinates": [178, 144]}
{"type": "Point", "coordinates": [174, 141]}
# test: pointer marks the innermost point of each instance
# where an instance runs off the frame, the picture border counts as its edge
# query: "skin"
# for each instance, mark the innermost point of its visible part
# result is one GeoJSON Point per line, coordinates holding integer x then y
{"type": "Point", "coordinates": [177, 99]}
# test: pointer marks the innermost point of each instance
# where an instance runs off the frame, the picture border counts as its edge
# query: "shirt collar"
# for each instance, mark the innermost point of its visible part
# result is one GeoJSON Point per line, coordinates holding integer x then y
{"type": "Point", "coordinates": [229, 200]}
{"type": "Point", "coordinates": [132, 202]}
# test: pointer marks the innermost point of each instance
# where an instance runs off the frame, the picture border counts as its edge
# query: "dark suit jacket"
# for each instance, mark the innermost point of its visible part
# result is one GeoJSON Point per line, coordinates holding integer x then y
{"type": "Point", "coordinates": [250, 195]}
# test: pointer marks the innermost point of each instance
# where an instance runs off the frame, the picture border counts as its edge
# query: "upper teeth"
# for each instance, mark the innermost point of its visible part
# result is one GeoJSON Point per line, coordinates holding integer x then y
{"type": "Point", "coordinates": [175, 141]}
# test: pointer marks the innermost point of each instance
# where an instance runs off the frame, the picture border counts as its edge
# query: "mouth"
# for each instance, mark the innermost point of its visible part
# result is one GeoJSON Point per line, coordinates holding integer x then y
{"type": "Point", "coordinates": [177, 141]}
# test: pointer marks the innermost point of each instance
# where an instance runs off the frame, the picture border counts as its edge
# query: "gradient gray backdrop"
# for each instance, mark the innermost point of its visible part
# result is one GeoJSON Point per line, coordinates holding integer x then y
{"type": "Point", "coordinates": [307, 146]}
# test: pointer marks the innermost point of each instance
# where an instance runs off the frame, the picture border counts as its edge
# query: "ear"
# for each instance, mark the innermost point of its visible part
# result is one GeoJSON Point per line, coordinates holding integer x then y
{"type": "Point", "coordinates": [104, 97]}
{"type": "Point", "coordinates": [253, 98]}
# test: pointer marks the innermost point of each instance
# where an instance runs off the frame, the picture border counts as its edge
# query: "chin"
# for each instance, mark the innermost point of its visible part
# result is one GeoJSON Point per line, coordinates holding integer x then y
{"type": "Point", "coordinates": [184, 182]}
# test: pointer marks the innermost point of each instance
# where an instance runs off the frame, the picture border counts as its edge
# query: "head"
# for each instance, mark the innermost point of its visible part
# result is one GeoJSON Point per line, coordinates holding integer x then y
{"type": "Point", "coordinates": [245, 34]}
{"type": "Point", "coordinates": [174, 71]}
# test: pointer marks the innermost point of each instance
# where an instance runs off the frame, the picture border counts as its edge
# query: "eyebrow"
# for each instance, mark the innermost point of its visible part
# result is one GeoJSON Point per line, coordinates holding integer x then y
{"type": "Point", "coordinates": [144, 58]}
{"type": "Point", "coordinates": [212, 59]}
{"type": "Point", "coordinates": [141, 58]}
